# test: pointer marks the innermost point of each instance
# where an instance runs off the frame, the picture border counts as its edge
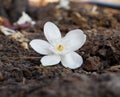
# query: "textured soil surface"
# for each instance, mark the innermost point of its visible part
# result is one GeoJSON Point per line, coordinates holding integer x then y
{"type": "Point", "coordinates": [22, 75]}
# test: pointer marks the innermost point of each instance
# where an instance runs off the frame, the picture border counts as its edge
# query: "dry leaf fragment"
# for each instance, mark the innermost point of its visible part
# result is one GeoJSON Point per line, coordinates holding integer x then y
{"type": "Point", "coordinates": [78, 19]}
{"type": "Point", "coordinates": [19, 37]}
{"type": "Point", "coordinates": [6, 31]}
{"type": "Point", "coordinates": [114, 68]}
{"type": "Point", "coordinates": [25, 45]}
{"type": "Point", "coordinates": [94, 10]}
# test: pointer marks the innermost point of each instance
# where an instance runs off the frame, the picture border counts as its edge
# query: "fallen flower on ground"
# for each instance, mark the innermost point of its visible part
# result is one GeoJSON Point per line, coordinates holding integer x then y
{"type": "Point", "coordinates": [60, 48]}
{"type": "Point", "coordinates": [25, 18]}
{"type": "Point", "coordinates": [63, 4]}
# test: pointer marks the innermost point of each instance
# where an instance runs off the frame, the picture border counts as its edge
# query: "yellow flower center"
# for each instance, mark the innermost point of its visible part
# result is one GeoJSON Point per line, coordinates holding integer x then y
{"type": "Point", "coordinates": [60, 47]}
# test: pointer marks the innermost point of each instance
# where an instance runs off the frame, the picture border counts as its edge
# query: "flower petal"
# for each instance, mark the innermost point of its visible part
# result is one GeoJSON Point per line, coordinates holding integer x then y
{"type": "Point", "coordinates": [74, 39]}
{"type": "Point", "coordinates": [40, 46]}
{"type": "Point", "coordinates": [72, 60]}
{"type": "Point", "coordinates": [50, 60]}
{"type": "Point", "coordinates": [51, 32]}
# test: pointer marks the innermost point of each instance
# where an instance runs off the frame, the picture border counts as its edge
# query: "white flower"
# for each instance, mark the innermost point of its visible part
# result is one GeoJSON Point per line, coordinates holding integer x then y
{"type": "Point", "coordinates": [24, 19]}
{"type": "Point", "coordinates": [60, 48]}
{"type": "Point", "coordinates": [63, 4]}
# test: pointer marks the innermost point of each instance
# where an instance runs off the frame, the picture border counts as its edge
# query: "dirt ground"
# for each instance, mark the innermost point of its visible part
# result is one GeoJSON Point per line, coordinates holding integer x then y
{"type": "Point", "coordinates": [22, 75]}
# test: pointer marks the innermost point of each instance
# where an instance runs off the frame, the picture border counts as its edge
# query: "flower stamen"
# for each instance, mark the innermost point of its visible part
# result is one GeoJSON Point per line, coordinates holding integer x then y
{"type": "Point", "coordinates": [60, 47]}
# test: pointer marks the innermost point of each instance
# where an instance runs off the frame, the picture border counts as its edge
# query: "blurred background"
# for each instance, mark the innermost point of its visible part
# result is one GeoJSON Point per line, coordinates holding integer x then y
{"type": "Point", "coordinates": [39, 2]}
{"type": "Point", "coordinates": [12, 9]}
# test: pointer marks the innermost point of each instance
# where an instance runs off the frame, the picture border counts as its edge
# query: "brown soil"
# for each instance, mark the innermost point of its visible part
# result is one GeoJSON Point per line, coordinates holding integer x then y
{"type": "Point", "coordinates": [22, 75]}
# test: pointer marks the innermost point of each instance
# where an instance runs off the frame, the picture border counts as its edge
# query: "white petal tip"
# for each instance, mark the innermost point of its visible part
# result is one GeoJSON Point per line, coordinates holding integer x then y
{"type": "Point", "coordinates": [72, 60]}
{"type": "Point", "coordinates": [49, 23]}
{"type": "Point", "coordinates": [50, 60]}
{"type": "Point", "coordinates": [40, 46]}
{"type": "Point", "coordinates": [51, 32]}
